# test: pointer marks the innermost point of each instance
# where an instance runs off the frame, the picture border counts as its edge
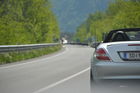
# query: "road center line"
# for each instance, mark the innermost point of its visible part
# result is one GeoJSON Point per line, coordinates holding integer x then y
{"type": "Point", "coordinates": [15, 65]}
{"type": "Point", "coordinates": [61, 81]}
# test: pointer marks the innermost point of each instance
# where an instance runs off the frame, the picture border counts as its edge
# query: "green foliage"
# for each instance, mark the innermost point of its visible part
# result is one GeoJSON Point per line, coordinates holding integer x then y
{"type": "Point", "coordinates": [81, 31]}
{"type": "Point", "coordinates": [119, 14]}
{"type": "Point", "coordinates": [26, 22]}
{"type": "Point", "coordinates": [22, 55]}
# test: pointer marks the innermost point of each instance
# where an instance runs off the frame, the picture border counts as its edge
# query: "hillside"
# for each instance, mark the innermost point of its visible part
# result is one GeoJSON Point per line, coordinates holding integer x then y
{"type": "Point", "coordinates": [120, 14]}
{"type": "Point", "coordinates": [71, 13]}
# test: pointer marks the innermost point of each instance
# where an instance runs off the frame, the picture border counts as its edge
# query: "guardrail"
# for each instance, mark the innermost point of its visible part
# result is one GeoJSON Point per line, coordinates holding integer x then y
{"type": "Point", "coordinates": [13, 48]}
{"type": "Point", "coordinates": [86, 44]}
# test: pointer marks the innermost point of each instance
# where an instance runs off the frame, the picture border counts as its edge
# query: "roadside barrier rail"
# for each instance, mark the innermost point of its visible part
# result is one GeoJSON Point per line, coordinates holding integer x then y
{"type": "Point", "coordinates": [14, 48]}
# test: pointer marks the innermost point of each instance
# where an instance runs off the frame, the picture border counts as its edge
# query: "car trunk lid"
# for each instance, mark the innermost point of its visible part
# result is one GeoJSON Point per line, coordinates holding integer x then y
{"type": "Point", "coordinates": [124, 51]}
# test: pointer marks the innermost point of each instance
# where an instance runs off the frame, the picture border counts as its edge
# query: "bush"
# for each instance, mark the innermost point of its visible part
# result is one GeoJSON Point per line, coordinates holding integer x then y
{"type": "Point", "coordinates": [23, 55]}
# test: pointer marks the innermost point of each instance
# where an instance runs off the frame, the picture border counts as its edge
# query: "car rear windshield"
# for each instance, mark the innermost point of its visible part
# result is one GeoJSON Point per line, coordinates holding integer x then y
{"type": "Point", "coordinates": [133, 35]}
{"type": "Point", "coordinates": [125, 36]}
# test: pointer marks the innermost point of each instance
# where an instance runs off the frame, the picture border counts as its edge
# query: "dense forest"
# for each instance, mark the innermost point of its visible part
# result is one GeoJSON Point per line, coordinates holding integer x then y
{"type": "Point", "coordinates": [119, 14]}
{"type": "Point", "coordinates": [27, 22]}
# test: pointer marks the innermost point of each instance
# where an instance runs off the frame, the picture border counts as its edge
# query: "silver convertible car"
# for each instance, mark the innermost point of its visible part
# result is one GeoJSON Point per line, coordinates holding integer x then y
{"type": "Point", "coordinates": [118, 56]}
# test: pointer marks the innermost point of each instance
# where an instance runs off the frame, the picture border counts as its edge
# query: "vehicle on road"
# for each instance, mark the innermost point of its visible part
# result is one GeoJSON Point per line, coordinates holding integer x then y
{"type": "Point", "coordinates": [118, 56]}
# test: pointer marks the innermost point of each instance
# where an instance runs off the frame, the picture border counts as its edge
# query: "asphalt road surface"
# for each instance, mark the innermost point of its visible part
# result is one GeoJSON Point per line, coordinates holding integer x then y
{"type": "Point", "coordinates": [64, 72]}
{"type": "Point", "coordinates": [116, 86]}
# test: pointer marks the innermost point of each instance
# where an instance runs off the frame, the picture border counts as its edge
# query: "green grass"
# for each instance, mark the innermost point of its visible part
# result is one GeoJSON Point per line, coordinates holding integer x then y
{"type": "Point", "coordinates": [23, 55]}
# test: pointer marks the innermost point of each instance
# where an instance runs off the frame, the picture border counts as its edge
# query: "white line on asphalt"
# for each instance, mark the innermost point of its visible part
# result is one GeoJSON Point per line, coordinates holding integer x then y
{"type": "Point", "coordinates": [15, 65]}
{"type": "Point", "coordinates": [61, 81]}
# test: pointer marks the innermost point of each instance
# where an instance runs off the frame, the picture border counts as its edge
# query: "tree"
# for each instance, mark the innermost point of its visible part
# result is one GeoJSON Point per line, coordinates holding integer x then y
{"type": "Point", "coordinates": [119, 14]}
{"type": "Point", "coordinates": [27, 21]}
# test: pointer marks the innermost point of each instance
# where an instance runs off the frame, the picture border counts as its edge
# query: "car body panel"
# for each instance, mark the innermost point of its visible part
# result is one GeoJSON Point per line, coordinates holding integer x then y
{"type": "Point", "coordinates": [118, 70]}
{"type": "Point", "coordinates": [113, 48]}
{"type": "Point", "coordinates": [117, 67]}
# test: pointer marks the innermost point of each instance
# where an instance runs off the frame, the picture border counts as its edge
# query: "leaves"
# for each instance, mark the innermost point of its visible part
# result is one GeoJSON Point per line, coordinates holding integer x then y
{"type": "Point", "coordinates": [119, 14]}
{"type": "Point", "coordinates": [27, 21]}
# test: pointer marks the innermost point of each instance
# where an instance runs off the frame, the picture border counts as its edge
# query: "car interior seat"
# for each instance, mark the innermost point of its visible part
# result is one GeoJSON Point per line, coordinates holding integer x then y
{"type": "Point", "coordinates": [120, 36]}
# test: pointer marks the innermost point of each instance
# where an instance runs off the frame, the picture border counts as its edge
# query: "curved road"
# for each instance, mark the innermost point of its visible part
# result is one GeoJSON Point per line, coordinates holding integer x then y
{"type": "Point", "coordinates": [64, 72]}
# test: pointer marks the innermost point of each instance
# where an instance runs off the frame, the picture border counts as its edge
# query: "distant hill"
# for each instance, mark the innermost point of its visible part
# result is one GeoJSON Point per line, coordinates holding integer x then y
{"type": "Point", "coordinates": [71, 13]}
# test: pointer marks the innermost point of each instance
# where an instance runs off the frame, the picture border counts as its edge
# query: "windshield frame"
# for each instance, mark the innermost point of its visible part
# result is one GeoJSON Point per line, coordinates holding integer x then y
{"type": "Point", "coordinates": [110, 34]}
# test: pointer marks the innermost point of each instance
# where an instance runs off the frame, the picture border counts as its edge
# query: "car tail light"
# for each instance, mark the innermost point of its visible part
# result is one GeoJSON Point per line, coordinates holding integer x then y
{"type": "Point", "coordinates": [102, 55]}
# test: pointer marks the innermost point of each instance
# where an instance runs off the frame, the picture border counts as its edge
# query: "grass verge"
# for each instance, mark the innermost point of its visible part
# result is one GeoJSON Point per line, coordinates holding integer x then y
{"type": "Point", "coordinates": [23, 55]}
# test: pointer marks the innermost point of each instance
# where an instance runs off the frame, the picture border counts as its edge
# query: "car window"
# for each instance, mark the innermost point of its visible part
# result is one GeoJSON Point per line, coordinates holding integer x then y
{"type": "Point", "coordinates": [124, 35]}
{"type": "Point", "coordinates": [134, 36]}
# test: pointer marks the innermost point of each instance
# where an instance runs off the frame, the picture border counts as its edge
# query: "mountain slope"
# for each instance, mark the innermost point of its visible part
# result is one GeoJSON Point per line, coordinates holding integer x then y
{"type": "Point", "coordinates": [71, 13]}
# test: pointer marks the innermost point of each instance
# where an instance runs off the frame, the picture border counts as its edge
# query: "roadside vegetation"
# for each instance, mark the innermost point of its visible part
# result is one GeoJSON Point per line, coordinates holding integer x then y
{"type": "Point", "coordinates": [119, 14]}
{"type": "Point", "coordinates": [22, 55]}
{"type": "Point", "coordinates": [27, 22]}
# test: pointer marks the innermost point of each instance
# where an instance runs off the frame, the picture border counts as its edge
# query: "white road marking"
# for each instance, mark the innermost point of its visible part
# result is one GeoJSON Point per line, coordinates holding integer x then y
{"type": "Point", "coordinates": [61, 81]}
{"type": "Point", "coordinates": [15, 65]}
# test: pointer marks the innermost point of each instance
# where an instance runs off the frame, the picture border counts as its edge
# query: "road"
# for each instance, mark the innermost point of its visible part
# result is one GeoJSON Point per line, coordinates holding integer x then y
{"type": "Point", "coordinates": [64, 72]}
{"type": "Point", "coordinates": [117, 86]}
